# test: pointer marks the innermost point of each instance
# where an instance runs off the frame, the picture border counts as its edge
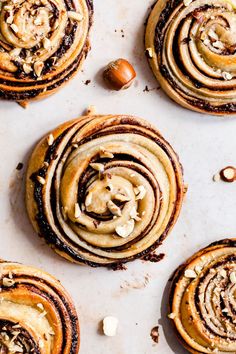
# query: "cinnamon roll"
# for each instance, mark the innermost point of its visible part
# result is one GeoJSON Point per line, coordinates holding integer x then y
{"type": "Point", "coordinates": [202, 301]}
{"type": "Point", "coordinates": [36, 313]}
{"type": "Point", "coordinates": [42, 45]}
{"type": "Point", "coordinates": [191, 46]}
{"type": "Point", "coordinates": [103, 190]}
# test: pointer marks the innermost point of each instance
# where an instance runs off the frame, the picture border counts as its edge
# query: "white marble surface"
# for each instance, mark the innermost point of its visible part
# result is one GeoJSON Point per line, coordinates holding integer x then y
{"type": "Point", "coordinates": [205, 144]}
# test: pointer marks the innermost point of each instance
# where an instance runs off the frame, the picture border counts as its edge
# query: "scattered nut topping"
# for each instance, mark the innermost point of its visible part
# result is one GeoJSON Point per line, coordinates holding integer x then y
{"type": "Point", "coordinates": [119, 74]}
{"type": "Point", "coordinates": [75, 16]}
{"type": "Point", "coordinates": [109, 187]}
{"type": "Point", "coordinates": [190, 273]}
{"type": "Point", "coordinates": [46, 43]}
{"type": "Point", "coordinates": [27, 68]}
{"type": "Point", "coordinates": [88, 200]}
{"type": "Point", "coordinates": [198, 269]}
{"type": "Point", "coordinates": [114, 209]}
{"type": "Point", "coordinates": [149, 53]}
{"type": "Point", "coordinates": [38, 67]}
{"type": "Point", "coordinates": [155, 334]}
{"type": "Point", "coordinates": [172, 315]}
{"type": "Point", "coordinates": [140, 192]}
{"type": "Point", "coordinates": [233, 277]}
{"type": "Point", "coordinates": [10, 18]}
{"type": "Point", "coordinates": [91, 110]}
{"type": "Point", "coordinates": [77, 211]}
{"type": "Point", "coordinates": [218, 45]}
{"type": "Point", "coordinates": [50, 139]}
{"type": "Point", "coordinates": [126, 229]}
{"type": "Point", "coordinates": [105, 154]}
{"type": "Point", "coordinates": [97, 166]}
{"type": "Point", "coordinates": [7, 282]}
{"type": "Point", "coordinates": [228, 174]}
{"type": "Point", "coordinates": [216, 177]}
{"type": "Point", "coordinates": [110, 325]}
{"type": "Point", "coordinates": [40, 306]}
{"type": "Point", "coordinates": [134, 214]}
{"type": "Point", "coordinates": [121, 197]}
{"type": "Point", "coordinates": [41, 180]}
{"type": "Point", "coordinates": [187, 2]}
{"type": "Point", "coordinates": [226, 76]}
{"type": "Point", "coordinates": [14, 28]}
{"type": "Point", "coordinates": [225, 310]}
{"type": "Point", "coordinates": [41, 343]}
{"type": "Point", "coordinates": [15, 52]}
{"type": "Point", "coordinates": [223, 273]}
{"type": "Point", "coordinates": [38, 21]}
{"type": "Point", "coordinates": [212, 34]}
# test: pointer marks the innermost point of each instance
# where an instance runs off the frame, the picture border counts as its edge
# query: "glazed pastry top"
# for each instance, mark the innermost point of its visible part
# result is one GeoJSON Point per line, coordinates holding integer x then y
{"type": "Point", "coordinates": [191, 46]}
{"type": "Point", "coordinates": [36, 313]}
{"type": "Point", "coordinates": [203, 300]}
{"type": "Point", "coordinates": [41, 43]}
{"type": "Point", "coordinates": [111, 189]}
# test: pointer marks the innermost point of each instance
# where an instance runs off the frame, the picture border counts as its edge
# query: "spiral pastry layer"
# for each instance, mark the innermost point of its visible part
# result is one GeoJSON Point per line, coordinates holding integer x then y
{"type": "Point", "coordinates": [203, 305]}
{"type": "Point", "coordinates": [103, 190]}
{"type": "Point", "coordinates": [191, 46]}
{"type": "Point", "coordinates": [36, 313]}
{"type": "Point", "coordinates": [42, 45]}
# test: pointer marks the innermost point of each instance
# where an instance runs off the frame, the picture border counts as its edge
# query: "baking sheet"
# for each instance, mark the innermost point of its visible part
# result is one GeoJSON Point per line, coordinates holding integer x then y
{"type": "Point", "coordinates": [205, 144]}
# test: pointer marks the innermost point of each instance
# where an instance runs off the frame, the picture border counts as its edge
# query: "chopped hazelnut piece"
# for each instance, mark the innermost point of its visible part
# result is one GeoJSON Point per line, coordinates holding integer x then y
{"type": "Point", "coordinates": [226, 76]}
{"type": "Point", "coordinates": [140, 192]}
{"type": "Point", "coordinates": [190, 273]}
{"type": "Point", "coordinates": [228, 174]}
{"type": "Point", "coordinates": [14, 28]}
{"type": "Point", "coordinates": [149, 52]}
{"type": "Point", "coordinates": [38, 67]}
{"type": "Point", "coordinates": [77, 211]}
{"type": "Point", "coordinates": [7, 282]}
{"type": "Point", "coordinates": [50, 139]}
{"type": "Point", "coordinates": [110, 325]}
{"type": "Point", "coordinates": [126, 229]}
{"type": "Point", "coordinates": [75, 16]}
{"type": "Point", "coordinates": [114, 209]}
{"type": "Point", "coordinates": [233, 277]}
{"type": "Point", "coordinates": [187, 2]}
{"type": "Point", "coordinates": [97, 166]}
{"type": "Point", "coordinates": [172, 315]}
{"type": "Point", "coordinates": [41, 180]}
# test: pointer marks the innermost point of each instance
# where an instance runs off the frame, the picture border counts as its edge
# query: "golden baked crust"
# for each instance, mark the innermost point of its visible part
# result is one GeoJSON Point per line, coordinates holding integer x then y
{"type": "Point", "coordinates": [191, 50]}
{"type": "Point", "coordinates": [110, 190]}
{"type": "Point", "coordinates": [42, 45]}
{"type": "Point", "coordinates": [36, 313]}
{"type": "Point", "coordinates": [202, 301]}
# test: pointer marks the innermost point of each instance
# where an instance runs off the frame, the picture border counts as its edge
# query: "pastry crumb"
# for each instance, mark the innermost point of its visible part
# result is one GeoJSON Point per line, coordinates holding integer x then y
{"type": "Point", "coordinates": [155, 334]}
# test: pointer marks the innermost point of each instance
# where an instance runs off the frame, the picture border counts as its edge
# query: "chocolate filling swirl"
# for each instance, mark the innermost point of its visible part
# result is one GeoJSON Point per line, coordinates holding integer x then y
{"type": "Point", "coordinates": [42, 44]}
{"type": "Point", "coordinates": [103, 190]}
{"type": "Point", "coordinates": [36, 313]}
{"type": "Point", "coordinates": [202, 301]}
{"type": "Point", "coordinates": [192, 52]}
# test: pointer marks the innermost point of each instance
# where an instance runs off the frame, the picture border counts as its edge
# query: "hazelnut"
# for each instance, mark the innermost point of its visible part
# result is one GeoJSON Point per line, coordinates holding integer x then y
{"type": "Point", "coordinates": [228, 174]}
{"type": "Point", "coordinates": [119, 74]}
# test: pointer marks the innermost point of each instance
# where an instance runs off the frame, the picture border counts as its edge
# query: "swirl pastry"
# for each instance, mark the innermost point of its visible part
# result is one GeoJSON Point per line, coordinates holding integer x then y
{"type": "Point", "coordinates": [42, 45]}
{"type": "Point", "coordinates": [103, 190]}
{"type": "Point", "coordinates": [36, 313]}
{"type": "Point", "coordinates": [203, 300]}
{"type": "Point", "coordinates": [191, 46]}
